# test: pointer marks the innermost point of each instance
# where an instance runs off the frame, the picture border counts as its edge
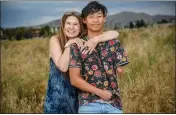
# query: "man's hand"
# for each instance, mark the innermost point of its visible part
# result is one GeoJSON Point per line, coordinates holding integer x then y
{"type": "Point", "coordinates": [105, 95]}
{"type": "Point", "coordinates": [119, 70]}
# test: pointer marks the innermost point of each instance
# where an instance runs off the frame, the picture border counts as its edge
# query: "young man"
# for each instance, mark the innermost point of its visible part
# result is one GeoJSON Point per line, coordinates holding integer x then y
{"type": "Point", "coordinates": [95, 74]}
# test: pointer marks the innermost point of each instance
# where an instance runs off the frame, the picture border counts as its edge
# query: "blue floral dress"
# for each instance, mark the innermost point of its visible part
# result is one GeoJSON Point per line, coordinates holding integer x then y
{"type": "Point", "coordinates": [61, 97]}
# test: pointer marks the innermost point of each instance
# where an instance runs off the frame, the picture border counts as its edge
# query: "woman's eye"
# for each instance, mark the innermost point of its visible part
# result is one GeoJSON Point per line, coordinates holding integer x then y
{"type": "Point", "coordinates": [67, 23]}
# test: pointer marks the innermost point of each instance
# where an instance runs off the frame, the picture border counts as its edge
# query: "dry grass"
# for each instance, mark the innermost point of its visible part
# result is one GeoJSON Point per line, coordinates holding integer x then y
{"type": "Point", "coordinates": [146, 87]}
{"type": "Point", "coordinates": [148, 84]}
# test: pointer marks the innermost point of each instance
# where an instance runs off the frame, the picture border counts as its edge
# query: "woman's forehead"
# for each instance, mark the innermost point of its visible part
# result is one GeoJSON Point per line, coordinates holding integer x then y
{"type": "Point", "coordinates": [72, 19]}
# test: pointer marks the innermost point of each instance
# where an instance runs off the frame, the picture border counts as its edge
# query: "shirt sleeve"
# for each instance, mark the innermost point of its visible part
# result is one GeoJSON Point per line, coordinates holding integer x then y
{"type": "Point", "coordinates": [121, 58]}
{"type": "Point", "coordinates": [75, 57]}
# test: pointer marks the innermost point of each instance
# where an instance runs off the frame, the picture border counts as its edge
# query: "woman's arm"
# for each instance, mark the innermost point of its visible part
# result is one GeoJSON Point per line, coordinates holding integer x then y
{"type": "Point", "coordinates": [108, 35]}
{"type": "Point", "coordinates": [92, 43]}
{"type": "Point", "coordinates": [60, 59]}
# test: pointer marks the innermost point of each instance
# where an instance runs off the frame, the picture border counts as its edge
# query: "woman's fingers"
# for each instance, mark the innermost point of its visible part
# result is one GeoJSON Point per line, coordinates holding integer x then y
{"type": "Point", "coordinates": [83, 40]}
{"type": "Point", "coordinates": [86, 51]}
{"type": "Point", "coordinates": [79, 43]}
{"type": "Point", "coordinates": [91, 50]}
{"type": "Point", "coordinates": [83, 47]}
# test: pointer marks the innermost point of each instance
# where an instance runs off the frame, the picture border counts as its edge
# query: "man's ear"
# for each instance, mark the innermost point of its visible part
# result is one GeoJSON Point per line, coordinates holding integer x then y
{"type": "Point", "coordinates": [105, 19]}
{"type": "Point", "coordinates": [84, 21]}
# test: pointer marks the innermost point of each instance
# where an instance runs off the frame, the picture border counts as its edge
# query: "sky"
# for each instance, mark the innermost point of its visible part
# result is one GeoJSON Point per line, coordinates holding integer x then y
{"type": "Point", "coordinates": [30, 13]}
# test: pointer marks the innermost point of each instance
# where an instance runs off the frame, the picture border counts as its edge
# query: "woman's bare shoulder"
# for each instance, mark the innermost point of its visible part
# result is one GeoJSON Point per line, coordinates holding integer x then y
{"type": "Point", "coordinates": [54, 38]}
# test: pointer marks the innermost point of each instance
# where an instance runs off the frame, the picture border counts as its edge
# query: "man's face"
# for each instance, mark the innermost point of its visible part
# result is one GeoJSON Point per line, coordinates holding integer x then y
{"type": "Point", "coordinates": [95, 22]}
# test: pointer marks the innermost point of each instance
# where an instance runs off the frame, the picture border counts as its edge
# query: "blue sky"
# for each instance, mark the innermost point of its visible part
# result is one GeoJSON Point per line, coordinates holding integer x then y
{"type": "Point", "coordinates": [28, 13]}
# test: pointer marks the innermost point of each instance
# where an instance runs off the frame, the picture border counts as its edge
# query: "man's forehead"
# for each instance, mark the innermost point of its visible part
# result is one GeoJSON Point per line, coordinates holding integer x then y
{"type": "Point", "coordinates": [99, 12]}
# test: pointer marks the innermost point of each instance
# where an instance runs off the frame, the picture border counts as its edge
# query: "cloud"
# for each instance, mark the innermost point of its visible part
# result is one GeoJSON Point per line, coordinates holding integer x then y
{"type": "Point", "coordinates": [66, 9]}
{"type": "Point", "coordinates": [36, 12]}
{"type": "Point", "coordinates": [41, 20]}
{"type": "Point", "coordinates": [166, 9]}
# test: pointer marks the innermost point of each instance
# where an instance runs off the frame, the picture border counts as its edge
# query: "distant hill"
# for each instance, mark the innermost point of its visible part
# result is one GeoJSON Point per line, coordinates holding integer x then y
{"type": "Point", "coordinates": [122, 19]}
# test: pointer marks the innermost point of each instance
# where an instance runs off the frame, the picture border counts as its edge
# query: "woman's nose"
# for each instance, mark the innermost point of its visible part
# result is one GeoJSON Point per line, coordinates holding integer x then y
{"type": "Point", "coordinates": [71, 26]}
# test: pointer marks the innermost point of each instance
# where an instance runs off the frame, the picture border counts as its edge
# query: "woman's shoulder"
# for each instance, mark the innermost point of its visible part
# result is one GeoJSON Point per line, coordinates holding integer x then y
{"type": "Point", "coordinates": [55, 37]}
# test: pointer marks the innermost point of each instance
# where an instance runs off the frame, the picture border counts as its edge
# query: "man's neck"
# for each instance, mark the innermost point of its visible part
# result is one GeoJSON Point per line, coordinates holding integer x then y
{"type": "Point", "coordinates": [93, 34]}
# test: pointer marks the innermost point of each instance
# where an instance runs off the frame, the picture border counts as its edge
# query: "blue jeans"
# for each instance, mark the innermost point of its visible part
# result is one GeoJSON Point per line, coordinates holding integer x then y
{"type": "Point", "coordinates": [98, 107]}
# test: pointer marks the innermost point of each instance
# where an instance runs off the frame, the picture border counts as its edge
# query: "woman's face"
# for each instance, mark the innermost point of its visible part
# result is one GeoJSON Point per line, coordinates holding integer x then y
{"type": "Point", "coordinates": [72, 27]}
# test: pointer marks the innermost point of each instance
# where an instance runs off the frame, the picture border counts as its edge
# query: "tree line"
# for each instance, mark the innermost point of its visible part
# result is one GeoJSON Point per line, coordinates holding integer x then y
{"type": "Point", "coordinates": [140, 23]}
{"type": "Point", "coordinates": [21, 33]}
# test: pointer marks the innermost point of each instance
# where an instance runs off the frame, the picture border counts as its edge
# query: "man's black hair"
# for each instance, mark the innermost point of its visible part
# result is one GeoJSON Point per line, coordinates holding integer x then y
{"type": "Point", "coordinates": [93, 7]}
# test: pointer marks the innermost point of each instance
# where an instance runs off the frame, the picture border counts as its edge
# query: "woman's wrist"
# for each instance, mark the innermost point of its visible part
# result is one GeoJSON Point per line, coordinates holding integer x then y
{"type": "Point", "coordinates": [97, 39]}
{"type": "Point", "coordinates": [67, 44]}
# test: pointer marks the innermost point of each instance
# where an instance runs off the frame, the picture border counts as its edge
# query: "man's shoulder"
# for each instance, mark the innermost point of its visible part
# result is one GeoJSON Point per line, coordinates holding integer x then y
{"type": "Point", "coordinates": [74, 48]}
{"type": "Point", "coordinates": [112, 42]}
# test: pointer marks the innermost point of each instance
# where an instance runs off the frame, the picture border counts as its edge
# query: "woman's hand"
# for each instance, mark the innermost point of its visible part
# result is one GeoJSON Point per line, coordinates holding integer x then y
{"type": "Point", "coordinates": [90, 45]}
{"type": "Point", "coordinates": [78, 41]}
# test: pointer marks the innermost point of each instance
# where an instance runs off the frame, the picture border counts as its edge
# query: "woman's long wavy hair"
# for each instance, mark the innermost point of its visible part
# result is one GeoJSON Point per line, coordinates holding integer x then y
{"type": "Point", "coordinates": [63, 39]}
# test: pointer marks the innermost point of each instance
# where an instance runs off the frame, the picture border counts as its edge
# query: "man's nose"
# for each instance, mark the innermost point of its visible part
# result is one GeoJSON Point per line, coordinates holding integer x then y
{"type": "Point", "coordinates": [95, 19]}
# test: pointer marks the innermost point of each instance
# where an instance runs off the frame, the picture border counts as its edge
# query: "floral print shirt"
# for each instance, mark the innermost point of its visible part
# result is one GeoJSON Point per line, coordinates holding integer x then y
{"type": "Point", "coordinates": [99, 70]}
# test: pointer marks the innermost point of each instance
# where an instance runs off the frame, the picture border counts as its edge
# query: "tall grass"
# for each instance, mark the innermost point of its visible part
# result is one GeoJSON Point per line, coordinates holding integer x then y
{"type": "Point", "coordinates": [148, 83]}
{"type": "Point", "coordinates": [147, 86]}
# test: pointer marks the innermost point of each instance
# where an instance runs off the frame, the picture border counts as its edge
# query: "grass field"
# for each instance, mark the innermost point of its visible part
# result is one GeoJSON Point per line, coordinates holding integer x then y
{"type": "Point", "coordinates": [147, 86]}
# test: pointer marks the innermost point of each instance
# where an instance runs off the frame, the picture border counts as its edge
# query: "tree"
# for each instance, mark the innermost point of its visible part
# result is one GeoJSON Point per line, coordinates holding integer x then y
{"type": "Point", "coordinates": [163, 21]}
{"type": "Point", "coordinates": [116, 27]}
{"type": "Point", "coordinates": [45, 31]}
{"type": "Point", "coordinates": [131, 25]}
{"type": "Point", "coordinates": [138, 24]}
{"type": "Point", "coordinates": [142, 23]}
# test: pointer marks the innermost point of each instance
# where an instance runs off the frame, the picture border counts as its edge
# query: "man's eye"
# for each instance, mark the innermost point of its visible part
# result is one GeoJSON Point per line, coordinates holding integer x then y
{"type": "Point", "coordinates": [90, 16]}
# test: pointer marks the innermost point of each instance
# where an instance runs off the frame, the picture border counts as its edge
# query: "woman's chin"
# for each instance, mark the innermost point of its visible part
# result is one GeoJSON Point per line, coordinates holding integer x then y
{"type": "Point", "coordinates": [72, 36]}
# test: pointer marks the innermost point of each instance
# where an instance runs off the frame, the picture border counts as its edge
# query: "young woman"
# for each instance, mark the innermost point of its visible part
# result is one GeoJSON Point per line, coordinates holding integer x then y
{"type": "Point", "coordinates": [61, 97]}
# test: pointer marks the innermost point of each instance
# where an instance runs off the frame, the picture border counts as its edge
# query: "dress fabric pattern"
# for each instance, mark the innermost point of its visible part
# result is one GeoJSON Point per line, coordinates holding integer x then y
{"type": "Point", "coordinates": [61, 96]}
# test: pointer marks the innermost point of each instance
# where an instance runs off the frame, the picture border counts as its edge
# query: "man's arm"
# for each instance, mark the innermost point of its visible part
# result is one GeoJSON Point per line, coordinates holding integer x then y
{"type": "Point", "coordinates": [77, 81]}
{"type": "Point", "coordinates": [120, 58]}
{"type": "Point", "coordinates": [119, 70]}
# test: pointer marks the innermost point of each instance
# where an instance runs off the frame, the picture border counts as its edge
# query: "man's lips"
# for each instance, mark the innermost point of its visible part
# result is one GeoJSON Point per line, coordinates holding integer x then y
{"type": "Point", "coordinates": [95, 24]}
